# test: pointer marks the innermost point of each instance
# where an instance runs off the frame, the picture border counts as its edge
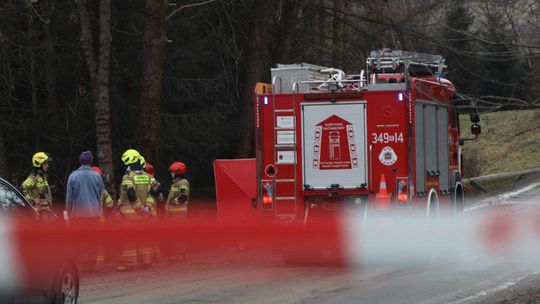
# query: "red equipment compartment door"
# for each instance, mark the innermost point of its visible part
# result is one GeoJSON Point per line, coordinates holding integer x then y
{"type": "Point", "coordinates": [334, 144]}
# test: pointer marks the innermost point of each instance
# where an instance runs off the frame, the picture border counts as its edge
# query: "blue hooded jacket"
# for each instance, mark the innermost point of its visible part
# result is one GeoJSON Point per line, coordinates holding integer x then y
{"type": "Point", "coordinates": [83, 196]}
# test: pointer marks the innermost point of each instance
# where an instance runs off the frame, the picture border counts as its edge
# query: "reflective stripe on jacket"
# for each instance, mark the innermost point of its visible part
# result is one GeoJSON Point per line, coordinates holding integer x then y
{"type": "Point", "coordinates": [36, 187]}
{"type": "Point", "coordinates": [141, 182]}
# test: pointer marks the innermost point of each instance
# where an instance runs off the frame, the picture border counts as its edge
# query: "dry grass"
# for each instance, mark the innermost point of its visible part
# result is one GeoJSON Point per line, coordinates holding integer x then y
{"type": "Point", "coordinates": [510, 141]}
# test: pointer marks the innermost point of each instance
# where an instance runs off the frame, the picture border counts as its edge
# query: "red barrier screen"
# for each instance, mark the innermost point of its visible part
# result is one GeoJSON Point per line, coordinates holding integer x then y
{"type": "Point", "coordinates": [236, 186]}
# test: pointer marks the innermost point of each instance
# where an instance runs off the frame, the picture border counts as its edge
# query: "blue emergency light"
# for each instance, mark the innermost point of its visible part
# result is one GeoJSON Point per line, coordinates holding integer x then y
{"type": "Point", "coordinates": [400, 97]}
{"type": "Point", "coordinates": [265, 100]}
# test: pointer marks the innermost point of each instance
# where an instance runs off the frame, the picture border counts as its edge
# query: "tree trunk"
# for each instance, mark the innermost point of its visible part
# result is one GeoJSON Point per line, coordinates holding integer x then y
{"type": "Point", "coordinates": [254, 65]}
{"type": "Point", "coordinates": [50, 65]}
{"type": "Point", "coordinates": [87, 44]}
{"type": "Point", "coordinates": [287, 26]}
{"type": "Point", "coordinates": [35, 107]}
{"type": "Point", "coordinates": [154, 40]}
{"type": "Point", "coordinates": [337, 33]}
{"type": "Point", "coordinates": [103, 115]}
{"type": "Point", "coordinates": [33, 83]}
{"type": "Point", "coordinates": [99, 76]}
{"type": "Point", "coordinates": [323, 30]}
{"type": "Point", "coordinates": [346, 36]}
{"type": "Point", "coordinates": [4, 165]}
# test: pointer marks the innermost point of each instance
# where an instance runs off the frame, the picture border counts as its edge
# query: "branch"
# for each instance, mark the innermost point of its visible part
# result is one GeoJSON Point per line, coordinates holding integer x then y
{"type": "Point", "coordinates": [187, 6]}
{"type": "Point", "coordinates": [36, 12]}
{"type": "Point", "coordinates": [480, 39]}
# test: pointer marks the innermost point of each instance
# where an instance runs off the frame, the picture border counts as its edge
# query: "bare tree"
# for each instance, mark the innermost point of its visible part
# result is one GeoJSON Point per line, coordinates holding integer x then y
{"type": "Point", "coordinates": [337, 32]}
{"type": "Point", "coordinates": [99, 76]}
{"type": "Point", "coordinates": [254, 65]}
{"type": "Point", "coordinates": [154, 47]}
{"type": "Point", "coordinates": [32, 34]}
{"type": "Point", "coordinates": [49, 61]}
{"type": "Point", "coordinates": [288, 23]}
{"type": "Point", "coordinates": [4, 165]}
{"type": "Point", "coordinates": [154, 41]}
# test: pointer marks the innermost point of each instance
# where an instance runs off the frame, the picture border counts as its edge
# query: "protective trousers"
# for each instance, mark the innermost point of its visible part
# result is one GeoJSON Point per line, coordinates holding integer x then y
{"type": "Point", "coordinates": [135, 251]}
{"type": "Point", "coordinates": [176, 249]}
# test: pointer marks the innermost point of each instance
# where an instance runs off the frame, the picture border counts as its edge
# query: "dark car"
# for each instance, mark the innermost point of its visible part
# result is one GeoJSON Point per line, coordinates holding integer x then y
{"type": "Point", "coordinates": [37, 259]}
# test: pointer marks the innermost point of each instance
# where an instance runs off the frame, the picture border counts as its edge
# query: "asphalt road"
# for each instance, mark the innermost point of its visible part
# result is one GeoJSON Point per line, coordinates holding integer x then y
{"type": "Point", "coordinates": [447, 275]}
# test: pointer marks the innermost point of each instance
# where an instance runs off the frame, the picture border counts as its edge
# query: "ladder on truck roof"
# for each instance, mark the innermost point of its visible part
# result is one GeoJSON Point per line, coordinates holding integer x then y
{"type": "Point", "coordinates": [310, 78]}
{"type": "Point", "coordinates": [397, 61]}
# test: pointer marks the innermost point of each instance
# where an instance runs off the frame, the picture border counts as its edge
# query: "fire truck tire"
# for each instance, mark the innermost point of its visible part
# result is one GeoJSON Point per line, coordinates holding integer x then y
{"type": "Point", "coordinates": [433, 210]}
{"type": "Point", "coordinates": [458, 199]}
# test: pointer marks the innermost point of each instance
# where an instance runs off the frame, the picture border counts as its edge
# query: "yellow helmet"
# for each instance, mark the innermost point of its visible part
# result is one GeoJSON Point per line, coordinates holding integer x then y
{"type": "Point", "coordinates": [131, 156]}
{"type": "Point", "coordinates": [142, 161]}
{"type": "Point", "coordinates": [39, 158]}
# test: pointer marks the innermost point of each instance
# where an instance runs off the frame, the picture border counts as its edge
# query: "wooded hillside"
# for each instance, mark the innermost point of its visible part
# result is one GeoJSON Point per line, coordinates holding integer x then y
{"type": "Point", "coordinates": [174, 79]}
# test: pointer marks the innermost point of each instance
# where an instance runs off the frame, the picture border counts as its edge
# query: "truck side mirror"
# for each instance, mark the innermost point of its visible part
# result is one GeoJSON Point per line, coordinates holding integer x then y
{"type": "Point", "coordinates": [475, 118]}
{"type": "Point", "coordinates": [476, 129]}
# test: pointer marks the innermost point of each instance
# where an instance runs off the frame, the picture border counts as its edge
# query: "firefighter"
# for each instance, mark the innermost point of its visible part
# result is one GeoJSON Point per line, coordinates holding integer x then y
{"type": "Point", "coordinates": [176, 206]}
{"type": "Point", "coordinates": [156, 189]}
{"type": "Point", "coordinates": [149, 169]}
{"type": "Point", "coordinates": [36, 188]}
{"type": "Point", "coordinates": [107, 204]}
{"type": "Point", "coordinates": [142, 161]}
{"type": "Point", "coordinates": [137, 202]}
{"type": "Point", "coordinates": [157, 211]}
{"type": "Point", "coordinates": [106, 199]}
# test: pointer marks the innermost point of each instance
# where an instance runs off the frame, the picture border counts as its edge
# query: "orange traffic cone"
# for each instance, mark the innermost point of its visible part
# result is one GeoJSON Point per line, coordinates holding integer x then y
{"type": "Point", "coordinates": [382, 198]}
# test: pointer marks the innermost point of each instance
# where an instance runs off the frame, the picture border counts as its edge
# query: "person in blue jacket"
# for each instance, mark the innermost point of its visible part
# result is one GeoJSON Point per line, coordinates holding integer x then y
{"type": "Point", "coordinates": [84, 188]}
{"type": "Point", "coordinates": [83, 204]}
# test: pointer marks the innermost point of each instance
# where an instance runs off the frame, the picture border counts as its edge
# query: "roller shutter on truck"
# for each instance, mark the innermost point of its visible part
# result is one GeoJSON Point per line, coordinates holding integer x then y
{"type": "Point", "coordinates": [432, 157]}
{"type": "Point", "coordinates": [334, 144]}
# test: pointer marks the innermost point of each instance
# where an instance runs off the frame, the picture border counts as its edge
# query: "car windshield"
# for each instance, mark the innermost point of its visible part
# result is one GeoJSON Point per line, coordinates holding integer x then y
{"type": "Point", "coordinates": [11, 202]}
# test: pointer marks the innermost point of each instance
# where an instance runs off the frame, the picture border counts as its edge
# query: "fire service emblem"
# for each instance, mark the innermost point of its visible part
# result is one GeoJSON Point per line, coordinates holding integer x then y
{"type": "Point", "coordinates": [388, 157]}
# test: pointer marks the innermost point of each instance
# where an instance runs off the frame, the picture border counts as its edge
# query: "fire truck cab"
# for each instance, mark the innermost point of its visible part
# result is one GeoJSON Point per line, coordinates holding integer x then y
{"type": "Point", "coordinates": [387, 138]}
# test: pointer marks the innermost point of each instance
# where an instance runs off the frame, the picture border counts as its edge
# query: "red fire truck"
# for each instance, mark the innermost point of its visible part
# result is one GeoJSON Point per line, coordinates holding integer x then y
{"type": "Point", "coordinates": [386, 138]}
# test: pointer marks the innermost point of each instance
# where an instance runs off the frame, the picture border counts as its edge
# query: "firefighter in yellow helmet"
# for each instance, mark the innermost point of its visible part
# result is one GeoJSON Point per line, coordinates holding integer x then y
{"type": "Point", "coordinates": [107, 205]}
{"type": "Point", "coordinates": [137, 202]}
{"type": "Point", "coordinates": [176, 206]}
{"type": "Point", "coordinates": [157, 195]}
{"type": "Point", "coordinates": [36, 188]}
{"type": "Point", "coordinates": [156, 212]}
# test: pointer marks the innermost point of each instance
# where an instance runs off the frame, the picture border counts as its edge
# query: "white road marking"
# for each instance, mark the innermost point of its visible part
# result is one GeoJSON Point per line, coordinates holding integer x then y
{"type": "Point", "coordinates": [500, 199]}
{"type": "Point", "coordinates": [495, 289]}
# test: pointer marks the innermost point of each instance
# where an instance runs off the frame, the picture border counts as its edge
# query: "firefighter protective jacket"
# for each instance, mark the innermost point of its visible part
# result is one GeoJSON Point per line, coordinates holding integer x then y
{"type": "Point", "coordinates": [178, 198]}
{"type": "Point", "coordinates": [142, 183]}
{"type": "Point", "coordinates": [106, 199]}
{"type": "Point", "coordinates": [36, 188]}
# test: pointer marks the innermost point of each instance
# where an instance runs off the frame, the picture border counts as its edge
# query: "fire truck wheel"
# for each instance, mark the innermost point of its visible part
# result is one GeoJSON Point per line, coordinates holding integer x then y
{"type": "Point", "coordinates": [433, 211]}
{"type": "Point", "coordinates": [458, 199]}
